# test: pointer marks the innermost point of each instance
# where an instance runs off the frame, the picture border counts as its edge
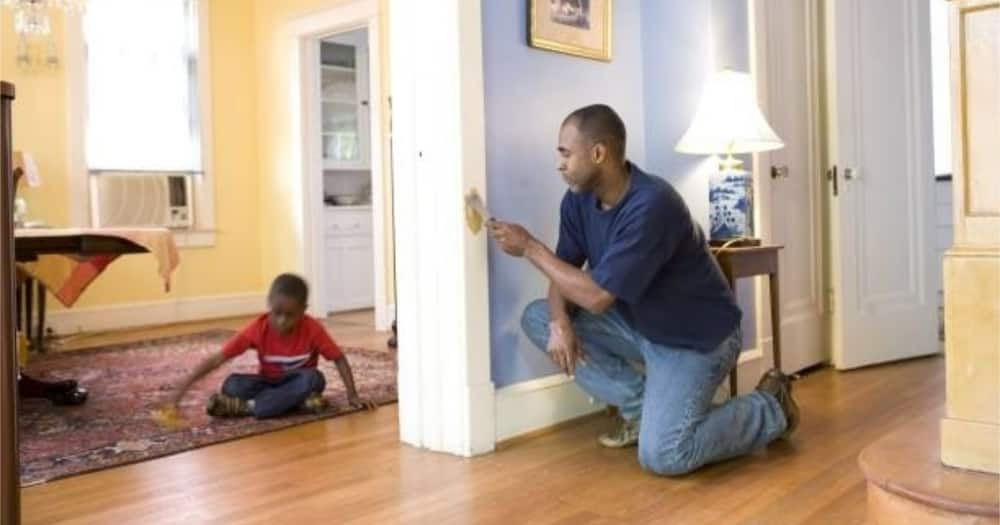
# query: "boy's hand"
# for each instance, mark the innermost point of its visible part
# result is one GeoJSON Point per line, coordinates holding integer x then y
{"type": "Point", "coordinates": [357, 401]}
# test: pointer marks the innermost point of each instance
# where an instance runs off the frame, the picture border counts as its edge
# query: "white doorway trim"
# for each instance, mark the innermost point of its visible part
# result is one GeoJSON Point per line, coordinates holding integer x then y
{"type": "Point", "coordinates": [304, 35]}
{"type": "Point", "coordinates": [785, 49]}
{"type": "Point", "coordinates": [446, 397]}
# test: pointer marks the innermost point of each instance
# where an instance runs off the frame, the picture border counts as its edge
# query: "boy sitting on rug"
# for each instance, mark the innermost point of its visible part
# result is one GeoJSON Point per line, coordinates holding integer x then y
{"type": "Point", "coordinates": [288, 344]}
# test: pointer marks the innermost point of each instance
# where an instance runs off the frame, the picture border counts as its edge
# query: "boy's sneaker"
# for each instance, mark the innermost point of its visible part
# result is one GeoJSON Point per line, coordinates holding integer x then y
{"type": "Point", "coordinates": [221, 405]}
{"type": "Point", "coordinates": [314, 404]}
{"type": "Point", "coordinates": [626, 434]}
{"type": "Point", "coordinates": [779, 385]}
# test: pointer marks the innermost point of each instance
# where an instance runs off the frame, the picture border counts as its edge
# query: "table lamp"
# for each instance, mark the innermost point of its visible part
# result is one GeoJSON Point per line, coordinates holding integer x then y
{"type": "Point", "coordinates": [728, 121]}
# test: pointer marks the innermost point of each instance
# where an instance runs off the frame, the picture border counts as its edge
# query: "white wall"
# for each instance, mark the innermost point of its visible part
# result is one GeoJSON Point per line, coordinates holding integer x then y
{"type": "Point", "coordinates": [941, 86]}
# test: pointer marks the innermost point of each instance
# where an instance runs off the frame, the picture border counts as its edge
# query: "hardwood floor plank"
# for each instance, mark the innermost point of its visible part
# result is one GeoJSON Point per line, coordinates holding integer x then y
{"type": "Point", "coordinates": [354, 470]}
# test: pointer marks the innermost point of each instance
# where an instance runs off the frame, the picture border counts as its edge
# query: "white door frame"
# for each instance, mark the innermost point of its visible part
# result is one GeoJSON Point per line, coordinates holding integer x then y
{"type": "Point", "coordinates": [762, 40]}
{"type": "Point", "coordinates": [304, 35]}
{"type": "Point", "coordinates": [446, 397]}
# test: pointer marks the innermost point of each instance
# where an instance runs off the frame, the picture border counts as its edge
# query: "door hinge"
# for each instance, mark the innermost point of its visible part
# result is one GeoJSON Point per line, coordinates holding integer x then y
{"type": "Point", "coordinates": [831, 176]}
{"type": "Point", "coordinates": [830, 298]}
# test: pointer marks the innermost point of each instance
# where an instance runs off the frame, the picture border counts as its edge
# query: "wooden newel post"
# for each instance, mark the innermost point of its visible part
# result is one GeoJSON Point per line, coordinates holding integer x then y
{"type": "Point", "coordinates": [10, 512]}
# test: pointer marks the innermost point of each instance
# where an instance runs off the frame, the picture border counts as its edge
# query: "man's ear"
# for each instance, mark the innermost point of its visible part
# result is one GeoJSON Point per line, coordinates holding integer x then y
{"type": "Point", "coordinates": [599, 153]}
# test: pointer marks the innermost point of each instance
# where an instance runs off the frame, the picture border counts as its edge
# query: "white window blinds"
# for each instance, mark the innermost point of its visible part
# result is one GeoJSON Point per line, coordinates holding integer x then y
{"type": "Point", "coordinates": [142, 85]}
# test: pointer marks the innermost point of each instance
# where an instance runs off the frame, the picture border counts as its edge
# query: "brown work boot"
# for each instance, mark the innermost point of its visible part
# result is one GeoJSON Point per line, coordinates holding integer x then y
{"type": "Point", "coordinates": [221, 405]}
{"type": "Point", "coordinates": [779, 385]}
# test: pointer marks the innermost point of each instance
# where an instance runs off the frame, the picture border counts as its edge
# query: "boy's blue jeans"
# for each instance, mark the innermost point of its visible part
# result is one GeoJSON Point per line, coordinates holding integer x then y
{"type": "Point", "coordinates": [274, 397]}
{"type": "Point", "coordinates": [680, 428]}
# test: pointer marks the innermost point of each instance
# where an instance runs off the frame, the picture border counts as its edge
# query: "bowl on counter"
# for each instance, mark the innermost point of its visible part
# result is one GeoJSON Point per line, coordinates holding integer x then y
{"type": "Point", "coordinates": [345, 200]}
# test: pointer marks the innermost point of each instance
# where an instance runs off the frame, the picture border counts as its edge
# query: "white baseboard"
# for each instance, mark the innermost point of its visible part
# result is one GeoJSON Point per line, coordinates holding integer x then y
{"type": "Point", "coordinates": [132, 315]}
{"type": "Point", "coordinates": [540, 403]}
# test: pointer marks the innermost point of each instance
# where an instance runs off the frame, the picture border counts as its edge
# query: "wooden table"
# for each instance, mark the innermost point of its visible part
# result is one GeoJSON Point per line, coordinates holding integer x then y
{"type": "Point", "coordinates": [751, 261]}
{"type": "Point", "coordinates": [28, 248]}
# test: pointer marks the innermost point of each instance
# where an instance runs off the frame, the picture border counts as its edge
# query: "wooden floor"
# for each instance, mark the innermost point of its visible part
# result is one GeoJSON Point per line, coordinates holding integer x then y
{"type": "Point", "coordinates": [353, 470]}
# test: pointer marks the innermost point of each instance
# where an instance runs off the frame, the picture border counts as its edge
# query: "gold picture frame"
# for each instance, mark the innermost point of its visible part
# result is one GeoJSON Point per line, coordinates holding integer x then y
{"type": "Point", "coordinates": [581, 28]}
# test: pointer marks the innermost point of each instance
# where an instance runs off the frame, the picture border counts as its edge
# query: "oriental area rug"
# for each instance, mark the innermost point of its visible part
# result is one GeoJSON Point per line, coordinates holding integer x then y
{"type": "Point", "coordinates": [128, 382]}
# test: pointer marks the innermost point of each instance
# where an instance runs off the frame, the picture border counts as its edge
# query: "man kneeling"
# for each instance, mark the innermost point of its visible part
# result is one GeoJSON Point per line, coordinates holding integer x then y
{"type": "Point", "coordinates": [653, 295]}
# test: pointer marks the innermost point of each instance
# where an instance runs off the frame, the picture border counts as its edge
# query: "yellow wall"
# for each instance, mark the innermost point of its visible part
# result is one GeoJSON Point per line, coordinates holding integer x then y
{"type": "Point", "coordinates": [229, 267]}
{"type": "Point", "coordinates": [279, 183]}
{"type": "Point", "coordinates": [256, 200]}
{"type": "Point", "coordinates": [39, 115]}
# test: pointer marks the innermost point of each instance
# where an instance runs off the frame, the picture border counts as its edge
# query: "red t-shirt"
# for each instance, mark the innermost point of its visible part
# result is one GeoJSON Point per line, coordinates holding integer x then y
{"type": "Point", "coordinates": [279, 354]}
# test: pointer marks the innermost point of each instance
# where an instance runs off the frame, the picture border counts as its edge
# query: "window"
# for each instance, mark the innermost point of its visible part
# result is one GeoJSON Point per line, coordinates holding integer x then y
{"type": "Point", "coordinates": [143, 113]}
{"type": "Point", "coordinates": [142, 86]}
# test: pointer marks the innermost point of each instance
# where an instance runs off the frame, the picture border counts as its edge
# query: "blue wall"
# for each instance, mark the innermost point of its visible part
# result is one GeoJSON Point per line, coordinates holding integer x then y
{"type": "Point", "coordinates": [684, 42]}
{"type": "Point", "coordinates": [662, 51]}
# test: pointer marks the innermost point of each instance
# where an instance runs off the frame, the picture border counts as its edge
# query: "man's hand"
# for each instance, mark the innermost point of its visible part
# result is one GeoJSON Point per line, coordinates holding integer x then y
{"type": "Point", "coordinates": [564, 348]}
{"type": "Point", "coordinates": [357, 401]}
{"type": "Point", "coordinates": [512, 238]}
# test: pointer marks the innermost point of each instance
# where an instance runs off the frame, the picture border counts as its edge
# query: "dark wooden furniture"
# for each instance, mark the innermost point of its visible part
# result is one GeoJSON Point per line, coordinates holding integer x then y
{"type": "Point", "coordinates": [29, 297]}
{"type": "Point", "coordinates": [31, 293]}
{"type": "Point", "coordinates": [749, 262]}
{"type": "Point", "coordinates": [10, 483]}
{"type": "Point", "coordinates": [29, 248]}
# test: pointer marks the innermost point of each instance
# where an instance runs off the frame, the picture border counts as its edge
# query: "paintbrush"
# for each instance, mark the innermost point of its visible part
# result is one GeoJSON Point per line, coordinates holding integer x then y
{"type": "Point", "coordinates": [475, 211]}
{"type": "Point", "coordinates": [168, 417]}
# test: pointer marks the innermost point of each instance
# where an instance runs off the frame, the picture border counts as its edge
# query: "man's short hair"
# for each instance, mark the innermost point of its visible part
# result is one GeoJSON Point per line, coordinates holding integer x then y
{"type": "Point", "coordinates": [600, 123]}
{"type": "Point", "coordinates": [290, 285]}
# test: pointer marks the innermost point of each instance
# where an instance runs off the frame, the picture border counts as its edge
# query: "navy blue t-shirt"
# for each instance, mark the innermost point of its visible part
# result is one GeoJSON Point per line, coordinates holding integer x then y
{"type": "Point", "coordinates": [649, 253]}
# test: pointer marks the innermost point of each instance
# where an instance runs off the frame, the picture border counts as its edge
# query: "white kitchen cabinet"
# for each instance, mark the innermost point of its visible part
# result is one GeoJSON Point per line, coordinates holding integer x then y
{"type": "Point", "coordinates": [345, 106]}
{"type": "Point", "coordinates": [350, 260]}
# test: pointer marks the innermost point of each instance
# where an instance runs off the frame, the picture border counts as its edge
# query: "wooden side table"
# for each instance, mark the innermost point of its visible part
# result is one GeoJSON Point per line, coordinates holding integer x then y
{"type": "Point", "coordinates": [751, 261]}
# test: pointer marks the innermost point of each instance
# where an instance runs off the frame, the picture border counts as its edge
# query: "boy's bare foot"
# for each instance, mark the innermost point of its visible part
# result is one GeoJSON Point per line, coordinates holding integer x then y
{"type": "Point", "coordinates": [221, 405]}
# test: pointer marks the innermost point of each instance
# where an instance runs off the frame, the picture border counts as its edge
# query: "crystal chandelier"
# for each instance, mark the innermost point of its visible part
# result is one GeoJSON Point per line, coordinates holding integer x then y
{"type": "Point", "coordinates": [32, 23]}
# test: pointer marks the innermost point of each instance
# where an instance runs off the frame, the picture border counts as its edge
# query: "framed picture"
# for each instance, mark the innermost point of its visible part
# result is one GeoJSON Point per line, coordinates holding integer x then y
{"type": "Point", "coordinates": [575, 27]}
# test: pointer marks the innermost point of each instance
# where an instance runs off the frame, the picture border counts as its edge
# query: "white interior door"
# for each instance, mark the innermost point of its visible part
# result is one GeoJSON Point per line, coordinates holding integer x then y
{"type": "Point", "coordinates": [786, 66]}
{"type": "Point", "coordinates": [881, 176]}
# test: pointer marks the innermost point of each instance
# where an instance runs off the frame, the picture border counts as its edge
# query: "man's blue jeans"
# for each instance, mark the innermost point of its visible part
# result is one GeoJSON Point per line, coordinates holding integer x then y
{"type": "Point", "coordinates": [680, 428]}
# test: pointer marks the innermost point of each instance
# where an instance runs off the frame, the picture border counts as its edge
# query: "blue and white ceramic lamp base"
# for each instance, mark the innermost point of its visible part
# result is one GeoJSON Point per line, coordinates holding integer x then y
{"type": "Point", "coordinates": [730, 197]}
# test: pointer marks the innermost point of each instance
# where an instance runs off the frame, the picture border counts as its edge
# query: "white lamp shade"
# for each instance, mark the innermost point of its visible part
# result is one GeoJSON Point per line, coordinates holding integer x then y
{"type": "Point", "coordinates": [728, 119]}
